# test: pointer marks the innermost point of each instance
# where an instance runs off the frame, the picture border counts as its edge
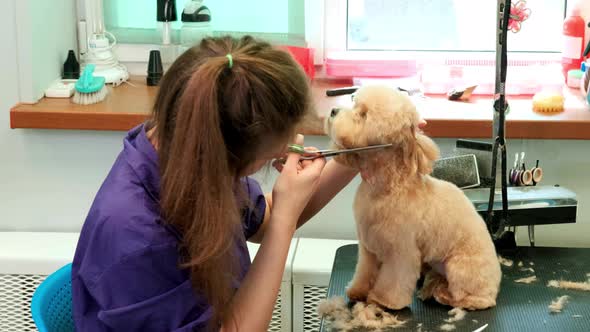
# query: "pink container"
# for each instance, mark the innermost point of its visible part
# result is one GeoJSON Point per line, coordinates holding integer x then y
{"type": "Point", "coordinates": [349, 64]}
{"type": "Point", "coordinates": [303, 56]}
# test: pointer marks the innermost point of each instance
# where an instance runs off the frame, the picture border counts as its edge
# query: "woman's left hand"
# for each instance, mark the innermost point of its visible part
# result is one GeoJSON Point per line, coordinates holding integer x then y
{"type": "Point", "coordinates": [278, 164]}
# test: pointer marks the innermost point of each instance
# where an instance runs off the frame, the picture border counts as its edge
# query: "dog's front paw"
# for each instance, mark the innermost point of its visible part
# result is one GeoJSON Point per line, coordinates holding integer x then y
{"type": "Point", "coordinates": [425, 293]}
{"type": "Point", "coordinates": [357, 293]}
{"type": "Point", "coordinates": [394, 304]}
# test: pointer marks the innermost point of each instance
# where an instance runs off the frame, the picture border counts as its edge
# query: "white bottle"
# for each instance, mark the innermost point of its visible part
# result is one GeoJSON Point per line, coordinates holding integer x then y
{"type": "Point", "coordinates": [196, 24]}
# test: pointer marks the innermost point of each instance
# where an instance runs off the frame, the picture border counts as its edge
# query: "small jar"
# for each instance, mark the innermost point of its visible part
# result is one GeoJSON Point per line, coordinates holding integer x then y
{"type": "Point", "coordinates": [574, 78]}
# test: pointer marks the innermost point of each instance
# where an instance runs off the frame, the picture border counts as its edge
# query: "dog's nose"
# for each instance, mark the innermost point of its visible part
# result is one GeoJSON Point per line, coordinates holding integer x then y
{"type": "Point", "coordinates": [334, 112]}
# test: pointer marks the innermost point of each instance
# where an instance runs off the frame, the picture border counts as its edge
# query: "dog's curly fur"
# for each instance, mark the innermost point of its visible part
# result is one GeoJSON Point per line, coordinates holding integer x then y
{"type": "Point", "coordinates": [408, 222]}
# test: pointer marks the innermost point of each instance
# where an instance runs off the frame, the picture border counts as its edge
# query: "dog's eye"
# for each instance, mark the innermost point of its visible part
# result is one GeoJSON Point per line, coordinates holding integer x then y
{"type": "Point", "coordinates": [334, 112]}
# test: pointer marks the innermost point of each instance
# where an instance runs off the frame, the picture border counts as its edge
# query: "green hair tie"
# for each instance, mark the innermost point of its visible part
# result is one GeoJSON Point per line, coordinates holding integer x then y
{"type": "Point", "coordinates": [296, 148]}
{"type": "Point", "coordinates": [231, 60]}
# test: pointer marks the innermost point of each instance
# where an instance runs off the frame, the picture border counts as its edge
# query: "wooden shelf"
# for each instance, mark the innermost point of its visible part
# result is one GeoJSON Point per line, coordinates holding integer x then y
{"type": "Point", "coordinates": [128, 105]}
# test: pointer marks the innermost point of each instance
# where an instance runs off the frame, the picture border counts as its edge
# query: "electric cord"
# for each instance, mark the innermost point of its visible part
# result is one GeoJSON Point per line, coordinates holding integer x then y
{"type": "Point", "coordinates": [104, 58]}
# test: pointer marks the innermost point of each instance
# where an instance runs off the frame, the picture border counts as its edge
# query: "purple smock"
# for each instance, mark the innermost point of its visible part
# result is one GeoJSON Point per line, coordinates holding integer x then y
{"type": "Point", "coordinates": [125, 273]}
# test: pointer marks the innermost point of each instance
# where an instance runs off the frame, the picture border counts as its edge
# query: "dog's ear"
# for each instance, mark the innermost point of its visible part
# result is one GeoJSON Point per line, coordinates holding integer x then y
{"type": "Point", "coordinates": [427, 153]}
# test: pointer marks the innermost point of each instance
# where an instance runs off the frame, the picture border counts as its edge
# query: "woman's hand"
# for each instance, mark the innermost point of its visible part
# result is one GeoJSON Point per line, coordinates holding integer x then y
{"type": "Point", "coordinates": [278, 163]}
{"type": "Point", "coordinates": [422, 123]}
{"type": "Point", "coordinates": [295, 186]}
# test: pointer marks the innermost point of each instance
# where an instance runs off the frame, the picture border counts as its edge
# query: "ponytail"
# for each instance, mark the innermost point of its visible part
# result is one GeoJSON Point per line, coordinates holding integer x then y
{"type": "Point", "coordinates": [196, 182]}
{"type": "Point", "coordinates": [213, 114]}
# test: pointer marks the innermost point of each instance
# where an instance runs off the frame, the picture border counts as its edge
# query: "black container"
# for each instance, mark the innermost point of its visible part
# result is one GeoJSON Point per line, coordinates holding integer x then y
{"type": "Point", "coordinates": [71, 67]}
{"type": "Point", "coordinates": [155, 69]}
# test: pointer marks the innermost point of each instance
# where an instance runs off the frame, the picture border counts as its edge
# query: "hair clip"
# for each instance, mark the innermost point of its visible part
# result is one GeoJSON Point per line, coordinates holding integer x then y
{"type": "Point", "coordinates": [537, 174]}
{"type": "Point", "coordinates": [526, 177]}
{"type": "Point", "coordinates": [513, 170]}
{"type": "Point", "coordinates": [517, 176]}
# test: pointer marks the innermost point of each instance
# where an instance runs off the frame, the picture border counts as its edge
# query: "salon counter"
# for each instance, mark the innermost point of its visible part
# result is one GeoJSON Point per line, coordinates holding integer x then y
{"type": "Point", "coordinates": [130, 104]}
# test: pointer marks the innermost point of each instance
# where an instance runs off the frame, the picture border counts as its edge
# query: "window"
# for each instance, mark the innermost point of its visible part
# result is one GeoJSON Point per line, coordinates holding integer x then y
{"type": "Point", "coordinates": [458, 29]}
{"type": "Point", "coordinates": [260, 16]}
{"type": "Point", "coordinates": [133, 24]}
{"type": "Point", "coordinates": [463, 29]}
{"type": "Point", "coordinates": [448, 25]}
{"type": "Point", "coordinates": [438, 44]}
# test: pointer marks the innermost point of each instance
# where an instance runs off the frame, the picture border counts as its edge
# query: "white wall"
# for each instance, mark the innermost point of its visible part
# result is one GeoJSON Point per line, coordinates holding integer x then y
{"type": "Point", "coordinates": [46, 30]}
{"type": "Point", "coordinates": [48, 178]}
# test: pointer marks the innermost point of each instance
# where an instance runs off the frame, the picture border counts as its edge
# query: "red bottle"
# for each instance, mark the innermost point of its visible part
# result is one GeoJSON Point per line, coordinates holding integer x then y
{"type": "Point", "coordinates": [573, 41]}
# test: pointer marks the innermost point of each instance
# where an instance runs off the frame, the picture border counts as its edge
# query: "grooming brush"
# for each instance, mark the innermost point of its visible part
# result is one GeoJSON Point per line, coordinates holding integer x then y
{"type": "Point", "coordinates": [90, 89]}
{"type": "Point", "coordinates": [537, 173]}
{"type": "Point", "coordinates": [482, 152]}
{"type": "Point", "coordinates": [548, 102]}
{"type": "Point", "coordinates": [460, 170]}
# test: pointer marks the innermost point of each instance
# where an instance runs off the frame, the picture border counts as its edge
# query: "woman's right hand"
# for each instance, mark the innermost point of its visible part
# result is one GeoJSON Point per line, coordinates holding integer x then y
{"type": "Point", "coordinates": [295, 186]}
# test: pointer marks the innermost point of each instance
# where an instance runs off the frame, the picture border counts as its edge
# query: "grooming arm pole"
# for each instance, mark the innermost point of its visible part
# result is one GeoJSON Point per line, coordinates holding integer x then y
{"type": "Point", "coordinates": [501, 237]}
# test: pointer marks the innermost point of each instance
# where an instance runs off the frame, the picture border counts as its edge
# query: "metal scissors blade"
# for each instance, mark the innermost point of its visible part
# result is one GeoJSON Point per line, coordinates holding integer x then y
{"type": "Point", "coordinates": [311, 155]}
{"type": "Point", "coordinates": [331, 153]}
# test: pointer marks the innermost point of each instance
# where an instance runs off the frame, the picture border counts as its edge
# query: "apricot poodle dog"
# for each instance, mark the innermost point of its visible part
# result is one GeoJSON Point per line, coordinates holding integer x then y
{"type": "Point", "coordinates": [409, 223]}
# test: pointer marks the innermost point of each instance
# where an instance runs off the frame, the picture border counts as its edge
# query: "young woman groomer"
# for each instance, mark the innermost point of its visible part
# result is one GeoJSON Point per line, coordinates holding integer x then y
{"type": "Point", "coordinates": [164, 245]}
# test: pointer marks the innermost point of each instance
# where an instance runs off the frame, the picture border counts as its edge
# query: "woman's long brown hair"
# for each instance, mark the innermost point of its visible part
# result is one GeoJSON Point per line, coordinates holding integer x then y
{"type": "Point", "coordinates": [210, 123]}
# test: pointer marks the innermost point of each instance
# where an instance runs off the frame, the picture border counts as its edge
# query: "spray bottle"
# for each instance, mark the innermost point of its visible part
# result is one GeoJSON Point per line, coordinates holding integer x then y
{"type": "Point", "coordinates": [166, 13]}
{"type": "Point", "coordinates": [574, 29]}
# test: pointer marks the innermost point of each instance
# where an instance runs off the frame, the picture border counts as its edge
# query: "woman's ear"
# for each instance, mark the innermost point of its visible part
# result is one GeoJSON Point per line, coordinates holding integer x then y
{"type": "Point", "coordinates": [427, 153]}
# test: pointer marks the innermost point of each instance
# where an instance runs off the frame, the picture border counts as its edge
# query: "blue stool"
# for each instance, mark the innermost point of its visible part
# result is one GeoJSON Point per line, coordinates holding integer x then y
{"type": "Point", "coordinates": [51, 305]}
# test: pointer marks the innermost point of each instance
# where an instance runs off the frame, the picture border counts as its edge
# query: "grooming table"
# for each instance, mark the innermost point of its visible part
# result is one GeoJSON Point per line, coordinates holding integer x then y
{"type": "Point", "coordinates": [520, 307]}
